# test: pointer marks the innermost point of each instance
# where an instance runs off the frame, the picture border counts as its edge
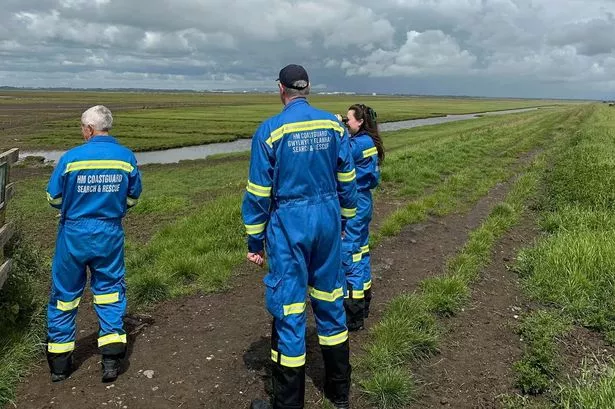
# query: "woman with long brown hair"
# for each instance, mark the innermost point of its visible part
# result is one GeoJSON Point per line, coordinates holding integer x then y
{"type": "Point", "coordinates": [368, 153]}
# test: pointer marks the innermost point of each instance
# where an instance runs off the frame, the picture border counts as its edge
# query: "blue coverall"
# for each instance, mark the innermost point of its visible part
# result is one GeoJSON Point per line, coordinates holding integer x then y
{"type": "Point", "coordinates": [355, 245]}
{"type": "Point", "coordinates": [93, 185]}
{"type": "Point", "coordinates": [301, 184]}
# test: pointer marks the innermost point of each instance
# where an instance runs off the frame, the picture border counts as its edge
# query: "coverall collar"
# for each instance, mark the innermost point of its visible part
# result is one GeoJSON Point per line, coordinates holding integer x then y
{"type": "Point", "coordinates": [103, 138]}
{"type": "Point", "coordinates": [296, 101]}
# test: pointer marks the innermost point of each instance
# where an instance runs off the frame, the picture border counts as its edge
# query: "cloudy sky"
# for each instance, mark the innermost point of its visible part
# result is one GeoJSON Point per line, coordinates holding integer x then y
{"type": "Point", "coordinates": [517, 48]}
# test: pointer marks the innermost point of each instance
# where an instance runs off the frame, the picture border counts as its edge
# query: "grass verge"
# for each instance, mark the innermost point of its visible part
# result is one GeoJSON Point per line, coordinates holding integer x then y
{"type": "Point", "coordinates": [409, 328]}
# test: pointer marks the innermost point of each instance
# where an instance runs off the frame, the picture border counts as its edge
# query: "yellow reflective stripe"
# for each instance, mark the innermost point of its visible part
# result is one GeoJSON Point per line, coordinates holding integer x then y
{"type": "Point", "coordinates": [370, 152]}
{"type": "Point", "coordinates": [301, 127]}
{"type": "Point", "coordinates": [357, 257]}
{"type": "Point", "coordinates": [111, 339]}
{"type": "Point", "coordinates": [349, 212]}
{"type": "Point", "coordinates": [290, 361]}
{"type": "Point", "coordinates": [333, 339]}
{"type": "Point", "coordinates": [68, 305]}
{"type": "Point", "coordinates": [106, 298]}
{"type": "Point", "coordinates": [60, 348]}
{"type": "Point", "coordinates": [365, 249]}
{"type": "Point", "coordinates": [258, 190]}
{"type": "Point", "coordinates": [99, 164]}
{"type": "Point", "coordinates": [347, 176]}
{"type": "Point", "coordinates": [325, 296]}
{"type": "Point", "coordinates": [297, 308]}
{"type": "Point", "coordinates": [56, 201]}
{"type": "Point", "coordinates": [367, 285]}
{"type": "Point", "coordinates": [131, 202]}
{"type": "Point", "coordinates": [255, 228]}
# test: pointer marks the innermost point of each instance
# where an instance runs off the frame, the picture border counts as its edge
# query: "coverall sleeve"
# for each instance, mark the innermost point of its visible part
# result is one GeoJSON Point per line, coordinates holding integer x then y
{"type": "Point", "coordinates": [55, 187]}
{"type": "Point", "coordinates": [257, 199]}
{"type": "Point", "coordinates": [134, 185]}
{"type": "Point", "coordinates": [346, 179]}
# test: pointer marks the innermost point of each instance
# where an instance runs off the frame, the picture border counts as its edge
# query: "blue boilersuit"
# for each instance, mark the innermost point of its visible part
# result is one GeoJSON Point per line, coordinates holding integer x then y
{"type": "Point", "coordinates": [93, 185]}
{"type": "Point", "coordinates": [301, 184]}
{"type": "Point", "coordinates": [355, 245]}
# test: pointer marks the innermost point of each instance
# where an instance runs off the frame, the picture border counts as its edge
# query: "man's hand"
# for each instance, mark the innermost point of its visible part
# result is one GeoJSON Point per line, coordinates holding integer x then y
{"type": "Point", "coordinates": [256, 258]}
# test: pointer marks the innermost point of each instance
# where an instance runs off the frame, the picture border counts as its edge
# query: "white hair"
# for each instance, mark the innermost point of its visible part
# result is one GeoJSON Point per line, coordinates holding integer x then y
{"type": "Point", "coordinates": [292, 92]}
{"type": "Point", "coordinates": [98, 117]}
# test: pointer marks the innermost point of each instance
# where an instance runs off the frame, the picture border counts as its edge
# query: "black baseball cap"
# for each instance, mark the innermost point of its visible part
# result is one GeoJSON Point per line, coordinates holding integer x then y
{"type": "Point", "coordinates": [291, 74]}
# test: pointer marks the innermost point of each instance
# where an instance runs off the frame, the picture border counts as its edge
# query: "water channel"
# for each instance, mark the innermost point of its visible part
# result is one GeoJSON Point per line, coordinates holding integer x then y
{"type": "Point", "coordinates": [202, 151]}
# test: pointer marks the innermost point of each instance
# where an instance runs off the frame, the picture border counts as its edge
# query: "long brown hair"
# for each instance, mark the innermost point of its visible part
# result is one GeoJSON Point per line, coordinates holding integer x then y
{"type": "Point", "coordinates": [369, 126]}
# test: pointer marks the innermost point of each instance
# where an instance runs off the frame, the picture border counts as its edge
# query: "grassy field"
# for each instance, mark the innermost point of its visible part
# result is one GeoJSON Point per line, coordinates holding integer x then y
{"type": "Point", "coordinates": [189, 215]}
{"type": "Point", "coordinates": [150, 121]}
{"type": "Point", "coordinates": [570, 272]}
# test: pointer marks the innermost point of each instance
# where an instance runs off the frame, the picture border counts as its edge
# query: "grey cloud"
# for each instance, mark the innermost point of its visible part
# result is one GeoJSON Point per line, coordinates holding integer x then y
{"type": "Point", "coordinates": [437, 45]}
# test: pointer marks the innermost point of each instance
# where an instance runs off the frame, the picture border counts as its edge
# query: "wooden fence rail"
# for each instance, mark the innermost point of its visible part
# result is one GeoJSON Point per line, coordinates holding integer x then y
{"type": "Point", "coordinates": [7, 190]}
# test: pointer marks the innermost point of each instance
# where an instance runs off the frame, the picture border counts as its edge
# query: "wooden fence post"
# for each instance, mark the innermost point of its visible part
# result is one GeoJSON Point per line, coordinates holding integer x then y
{"type": "Point", "coordinates": [7, 190]}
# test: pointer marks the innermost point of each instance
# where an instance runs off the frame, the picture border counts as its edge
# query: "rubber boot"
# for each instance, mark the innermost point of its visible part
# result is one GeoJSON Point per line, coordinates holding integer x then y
{"type": "Point", "coordinates": [60, 365]}
{"type": "Point", "coordinates": [354, 312]}
{"type": "Point", "coordinates": [260, 404]}
{"type": "Point", "coordinates": [111, 366]}
{"type": "Point", "coordinates": [288, 387]}
{"type": "Point", "coordinates": [337, 374]}
{"type": "Point", "coordinates": [368, 301]}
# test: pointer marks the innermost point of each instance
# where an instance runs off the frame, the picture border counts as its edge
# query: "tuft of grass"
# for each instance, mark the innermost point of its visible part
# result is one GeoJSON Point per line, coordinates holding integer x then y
{"type": "Point", "coordinates": [197, 253]}
{"type": "Point", "coordinates": [446, 295]}
{"type": "Point", "coordinates": [407, 331]}
{"type": "Point", "coordinates": [22, 306]}
{"type": "Point", "coordinates": [539, 365]}
{"type": "Point", "coordinates": [391, 388]}
{"type": "Point", "coordinates": [575, 271]}
{"type": "Point", "coordinates": [593, 389]}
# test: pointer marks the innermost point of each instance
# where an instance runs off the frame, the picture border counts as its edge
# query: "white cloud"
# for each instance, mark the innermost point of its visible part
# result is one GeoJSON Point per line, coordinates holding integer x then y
{"type": "Point", "coordinates": [189, 43]}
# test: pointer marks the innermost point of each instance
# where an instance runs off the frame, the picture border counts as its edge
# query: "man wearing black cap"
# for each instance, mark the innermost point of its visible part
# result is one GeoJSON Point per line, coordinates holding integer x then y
{"type": "Point", "coordinates": [301, 184]}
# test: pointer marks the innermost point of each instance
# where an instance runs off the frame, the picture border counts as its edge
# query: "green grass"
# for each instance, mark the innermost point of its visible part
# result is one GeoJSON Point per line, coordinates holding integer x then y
{"type": "Point", "coordinates": [22, 302]}
{"type": "Point", "coordinates": [147, 121]}
{"type": "Point", "coordinates": [409, 329]}
{"type": "Point", "coordinates": [186, 235]}
{"type": "Point", "coordinates": [541, 361]}
{"type": "Point", "coordinates": [571, 269]}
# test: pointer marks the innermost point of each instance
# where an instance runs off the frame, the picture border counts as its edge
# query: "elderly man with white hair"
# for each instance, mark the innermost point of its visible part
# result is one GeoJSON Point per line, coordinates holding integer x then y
{"type": "Point", "coordinates": [93, 185]}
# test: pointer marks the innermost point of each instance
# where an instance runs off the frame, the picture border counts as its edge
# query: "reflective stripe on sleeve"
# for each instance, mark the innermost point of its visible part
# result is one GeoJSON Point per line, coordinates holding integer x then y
{"type": "Point", "coordinates": [365, 249]}
{"type": "Point", "coordinates": [297, 308]}
{"type": "Point", "coordinates": [289, 361]}
{"type": "Point", "coordinates": [255, 228]}
{"type": "Point", "coordinates": [347, 176]}
{"type": "Point", "coordinates": [325, 296]}
{"type": "Point", "coordinates": [333, 339]}
{"type": "Point", "coordinates": [99, 164]}
{"type": "Point", "coordinates": [349, 212]}
{"type": "Point", "coordinates": [258, 190]}
{"type": "Point", "coordinates": [60, 348]}
{"type": "Point", "coordinates": [68, 305]}
{"type": "Point", "coordinates": [111, 339]}
{"type": "Point", "coordinates": [56, 201]}
{"type": "Point", "coordinates": [370, 152]}
{"type": "Point", "coordinates": [106, 298]}
{"type": "Point", "coordinates": [357, 257]}
{"type": "Point", "coordinates": [367, 285]}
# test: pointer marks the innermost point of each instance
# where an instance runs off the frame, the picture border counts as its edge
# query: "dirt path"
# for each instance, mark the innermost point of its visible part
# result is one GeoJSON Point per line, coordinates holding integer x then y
{"type": "Point", "coordinates": [213, 350]}
{"type": "Point", "coordinates": [474, 365]}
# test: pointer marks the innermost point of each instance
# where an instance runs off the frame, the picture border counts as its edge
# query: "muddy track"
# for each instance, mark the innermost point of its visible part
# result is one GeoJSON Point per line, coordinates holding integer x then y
{"type": "Point", "coordinates": [213, 350]}
{"type": "Point", "coordinates": [474, 364]}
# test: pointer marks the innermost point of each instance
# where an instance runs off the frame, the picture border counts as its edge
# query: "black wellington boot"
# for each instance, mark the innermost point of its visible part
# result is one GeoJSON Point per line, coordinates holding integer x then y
{"type": "Point", "coordinates": [368, 301]}
{"type": "Point", "coordinates": [337, 374]}
{"type": "Point", "coordinates": [60, 365]}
